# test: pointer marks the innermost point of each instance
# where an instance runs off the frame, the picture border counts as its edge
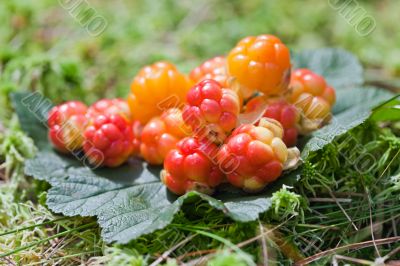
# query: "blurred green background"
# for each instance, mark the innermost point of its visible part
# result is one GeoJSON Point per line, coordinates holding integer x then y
{"type": "Point", "coordinates": [47, 45]}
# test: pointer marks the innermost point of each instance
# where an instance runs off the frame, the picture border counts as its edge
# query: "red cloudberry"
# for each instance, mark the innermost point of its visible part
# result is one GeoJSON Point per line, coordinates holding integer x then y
{"type": "Point", "coordinates": [261, 154]}
{"type": "Point", "coordinates": [211, 110]}
{"type": "Point", "coordinates": [66, 125]}
{"type": "Point", "coordinates": [190, 167]}
{"type": "Point", "coordinates": [110, 107]}
{"type": "Point", "coordinates": [214, 68]}
{"type": "Point", "coordinates": [118, 106]}
{"type": "Point", "coordinates": [108, 140]}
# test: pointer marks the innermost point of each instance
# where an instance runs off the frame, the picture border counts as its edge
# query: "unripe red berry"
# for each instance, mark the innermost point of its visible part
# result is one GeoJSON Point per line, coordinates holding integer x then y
{"type": "Point", "coordinates": [66, 125]}
{"type": "Point", "coordinates": [261, 154]}
{"type": "Point", "coordinates": [109, 107]}
{"type": "Point", "coordinates": [120, 107]}
{"type": "Point", "coordinates": [211, 111]}
{"type": "Point", "coordinates": [282, 111]}
{"type": "Point", "coordinates": [108, 140]}
{"type": "Point", "coordinates": [191, 166]}
{"type": "Point", "coordinates": [161, 134]}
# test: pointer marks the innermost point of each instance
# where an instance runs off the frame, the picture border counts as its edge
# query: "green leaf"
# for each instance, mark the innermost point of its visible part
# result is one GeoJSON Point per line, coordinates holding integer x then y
{"type": "Point", "coordinates": [353, 107]}
{"type": "Point", "coordinates": [32, 109]}
{"type": "Point", "coordinates": [340, 68]}
{"type": "Point", "coordinates": [389, 111]}
{"type": "Point", "coordinates": [359, 96]}
{"type": "Point", "coordinates": [130, 200]}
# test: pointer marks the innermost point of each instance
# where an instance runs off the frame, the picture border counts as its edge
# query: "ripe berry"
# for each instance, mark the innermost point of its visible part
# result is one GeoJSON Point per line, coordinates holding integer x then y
{"type": "Point", "coordinates": [260, 63]}
{"type": "Point", "coordinates": [190, 167]}
{"type": "Point", "coordinates": [156, 88]}
{"type": "Point", "coordinates": [108, 140]}
{"type": "Point", "coordinates": [161, 134]}
{"type": "Point", "coordinates": [109, 107]}
{"type": "Point", "coordinates": [211, 110]}
{"type": "Point", "coordinates": [313, 96]}
{"type": "Point", "coordinates": [261, 154]}
{"type": "Point", "coordinates": [214, 68]}
{"type": "Point", "coordinates": [66, 125]}
{"type": "Point", "coordinates": [282, 111]}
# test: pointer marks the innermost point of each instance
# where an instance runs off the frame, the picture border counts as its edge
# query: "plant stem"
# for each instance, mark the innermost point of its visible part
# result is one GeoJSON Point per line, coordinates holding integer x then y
{"type": "Point", "coordinates": [32, 226]}
{"type": "Point", "coordinates": [45, 240]}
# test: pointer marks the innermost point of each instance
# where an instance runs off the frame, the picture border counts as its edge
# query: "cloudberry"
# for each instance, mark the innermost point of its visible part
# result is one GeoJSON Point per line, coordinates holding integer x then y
{"type": "Point", "coordinates": [260, 63]}
{"type": "Point", "coordinates": [214, 68]}
{"type": "Point", "coordinates": [211, 110]}
{"type": "Point", "coordinates": [313, 97]}
{"type": "Point", "coordinates": [66, 125]}
{"type": "Point", "coordinates": [261, 154]}
{"type": "Point", "coordinates": [108, 140]}
{"type": "Point", "coordinates": [161, 134]}
{"type": "Point", "coordinates": [109, 107]}
{"type": "Point", "coordinates": [156, 88]}
{"type": "Point", "coordinates": [190, 167]}
{"type": "Point", "coordinates": [120, 107]}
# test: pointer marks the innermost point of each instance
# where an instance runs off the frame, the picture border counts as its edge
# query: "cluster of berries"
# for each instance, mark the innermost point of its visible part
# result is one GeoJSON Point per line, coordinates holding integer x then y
{"type": "Point", "coordinates": [198, 125]}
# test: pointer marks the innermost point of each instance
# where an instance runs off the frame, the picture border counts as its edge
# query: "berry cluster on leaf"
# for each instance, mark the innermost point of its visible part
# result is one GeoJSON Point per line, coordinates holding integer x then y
{"type": "Point", "coordinates": [234, 118]}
